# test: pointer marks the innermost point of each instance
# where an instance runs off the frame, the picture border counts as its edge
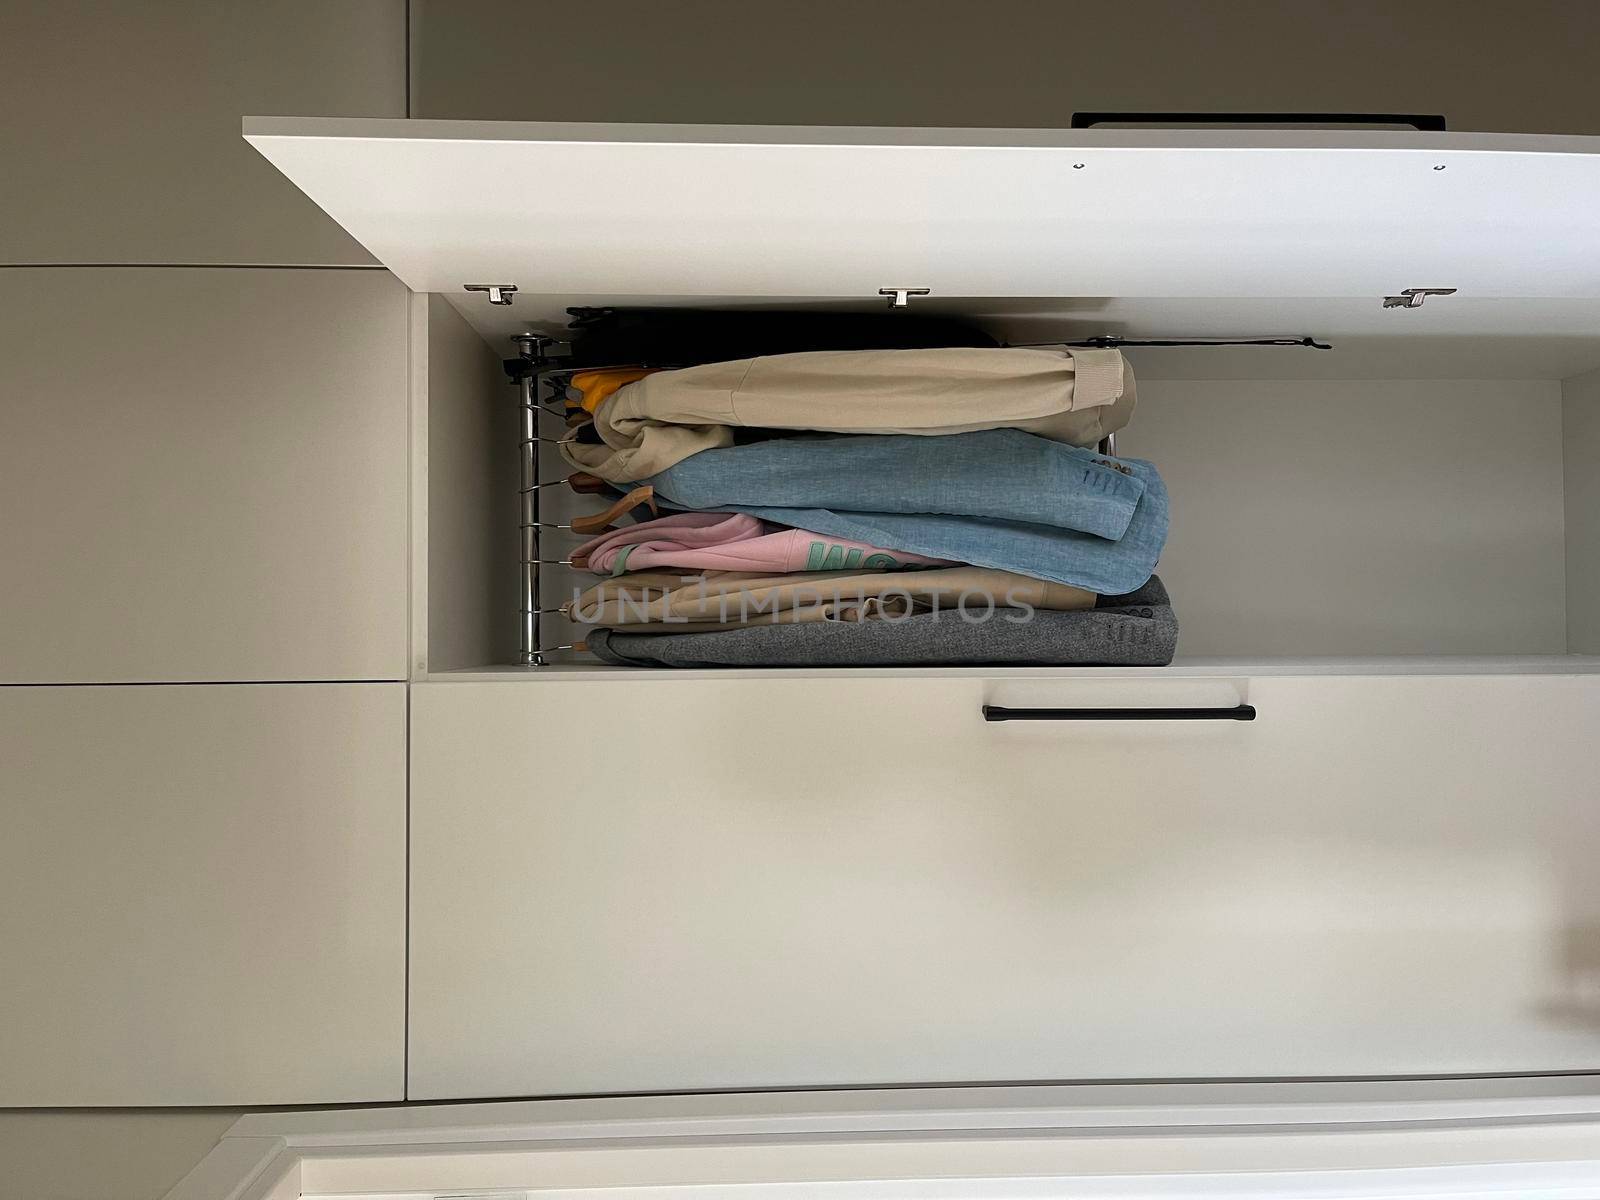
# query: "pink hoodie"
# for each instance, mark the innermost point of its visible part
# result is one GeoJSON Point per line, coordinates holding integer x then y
{"type": "Point", "coordinates": [734, 542]}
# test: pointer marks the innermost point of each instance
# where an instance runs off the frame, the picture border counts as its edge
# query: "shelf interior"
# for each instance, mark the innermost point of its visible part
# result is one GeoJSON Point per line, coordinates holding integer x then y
{"type": "Point", "coordinates": [1446, 510]}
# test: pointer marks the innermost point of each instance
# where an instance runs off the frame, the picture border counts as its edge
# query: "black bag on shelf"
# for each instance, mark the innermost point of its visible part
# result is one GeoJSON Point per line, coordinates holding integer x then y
{"type": "Point", "coordinates": [685, 337]}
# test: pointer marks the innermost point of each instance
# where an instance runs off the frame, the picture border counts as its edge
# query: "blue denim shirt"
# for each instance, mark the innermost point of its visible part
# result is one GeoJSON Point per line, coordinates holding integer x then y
{"type": "Point", "coordinates": [993, 498]}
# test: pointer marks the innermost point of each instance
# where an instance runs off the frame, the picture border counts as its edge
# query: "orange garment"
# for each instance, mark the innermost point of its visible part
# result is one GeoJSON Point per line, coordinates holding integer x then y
{"type": "Point", "coordinates": [586, 389]}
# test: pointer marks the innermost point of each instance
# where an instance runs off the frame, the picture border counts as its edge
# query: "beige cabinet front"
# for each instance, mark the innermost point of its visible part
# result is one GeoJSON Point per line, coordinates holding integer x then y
{"type": "Point", "coordinates": [122, 126]}
{"type": "Point", "coordinates": [203, 476]}
{"type": "Point", "coordinates": [671, 882]}
{"type": "Point", "coordinates": [202, 894]}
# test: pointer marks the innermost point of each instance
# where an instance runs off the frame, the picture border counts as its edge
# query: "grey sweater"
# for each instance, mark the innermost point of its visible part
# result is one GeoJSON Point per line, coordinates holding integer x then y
{"type": "Point", "coordinates": [1134, 630]}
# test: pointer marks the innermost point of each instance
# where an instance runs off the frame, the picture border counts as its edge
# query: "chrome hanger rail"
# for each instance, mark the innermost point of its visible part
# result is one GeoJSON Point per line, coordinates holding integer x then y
{"type": "Point", "coordinates": [1110, 341]}
{"type": "Point", "coordinates": [540, 375]}
{"type": "Point", "coordinates": [528, 371]}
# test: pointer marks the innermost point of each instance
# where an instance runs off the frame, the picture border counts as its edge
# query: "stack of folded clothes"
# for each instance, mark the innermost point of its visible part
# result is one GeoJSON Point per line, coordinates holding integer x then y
{"type": "Point", "coordinates": [873, 507]}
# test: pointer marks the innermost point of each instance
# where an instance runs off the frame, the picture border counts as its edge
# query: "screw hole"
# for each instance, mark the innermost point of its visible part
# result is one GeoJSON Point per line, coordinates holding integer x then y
{"type": "Point", "coordinates": [1440, 167]}
{"type": "Point", "coordinates": [1077, 166]}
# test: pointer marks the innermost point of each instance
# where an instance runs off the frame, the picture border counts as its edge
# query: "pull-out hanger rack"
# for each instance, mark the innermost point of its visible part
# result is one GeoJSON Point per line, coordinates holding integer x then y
{"type": "Point", "coordinates": [537, 367]}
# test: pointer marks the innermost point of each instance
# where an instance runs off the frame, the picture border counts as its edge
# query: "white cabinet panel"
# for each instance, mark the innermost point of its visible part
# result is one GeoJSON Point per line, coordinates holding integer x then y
{"type": "Point", "coordinates": [121, 139]}
{"type": "Point", "coordinates": [1580, 427]}
{"type": "Point", "coordinates": [202, 894]}
{"type": "Point", "coordinates": [803, 211]}
{"type": "Point", "coordinates": [203, 476]}
{"type": "Point", "coordinates": [668, 883]}
{"type": "Point", "coordinates": [469, 434]}
{"type": "Point", "coordinates": [1432, 539]}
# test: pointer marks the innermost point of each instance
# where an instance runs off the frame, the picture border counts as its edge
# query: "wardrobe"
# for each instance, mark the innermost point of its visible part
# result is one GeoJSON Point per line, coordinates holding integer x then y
{"type": "Point", "coordinates": [626, 880]}
{"type": "Point", "coordinates": [203, 653]}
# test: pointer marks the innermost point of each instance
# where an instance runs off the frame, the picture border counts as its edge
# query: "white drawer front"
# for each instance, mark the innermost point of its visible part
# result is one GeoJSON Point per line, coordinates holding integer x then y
{"type": "Point", "coordinates": [700, 883]}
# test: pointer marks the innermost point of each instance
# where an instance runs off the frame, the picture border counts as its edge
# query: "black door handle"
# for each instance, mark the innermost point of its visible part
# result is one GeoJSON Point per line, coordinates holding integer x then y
{"type": "Point", "coordinates": [1425, 122]}
{"type": "Point", "coordinates": [1241, 712]}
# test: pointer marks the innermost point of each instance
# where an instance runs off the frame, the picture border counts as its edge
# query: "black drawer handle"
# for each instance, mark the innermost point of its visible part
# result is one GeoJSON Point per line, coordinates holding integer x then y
{"type": "Point", "coordinates": [1241, 712]}
{"type": "Point", "coordinates": [1426, 122]}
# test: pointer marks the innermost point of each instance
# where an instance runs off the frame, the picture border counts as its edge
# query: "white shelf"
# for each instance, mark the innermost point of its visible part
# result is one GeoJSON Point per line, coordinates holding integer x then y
{"type": "Point", "coordinates": [1183, 668]}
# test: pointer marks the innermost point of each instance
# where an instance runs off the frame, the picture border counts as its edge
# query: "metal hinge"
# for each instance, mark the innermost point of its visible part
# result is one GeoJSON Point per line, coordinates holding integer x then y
{"type": "Point", "coordinates": [499, 293]}
{"type": "Point", "coordinates": [1413, 297]}
{"type": "Point", "coordinates": [900, 297]}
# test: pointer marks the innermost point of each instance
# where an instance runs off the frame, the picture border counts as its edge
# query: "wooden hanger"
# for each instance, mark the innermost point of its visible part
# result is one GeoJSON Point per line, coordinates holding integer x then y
{"type": "Point", "coordinates": [601, 521]}
{"type": "Point", "coordinates": [586, 484]}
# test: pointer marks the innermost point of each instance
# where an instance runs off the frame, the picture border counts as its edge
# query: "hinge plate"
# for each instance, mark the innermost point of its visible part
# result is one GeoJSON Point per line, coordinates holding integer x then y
{"type": "Point", "coordinates": [499, 293]}
{"type": "Point", "coordinates": [1413, 297]}
{"type": "Point", "coordinates": [900, 297]}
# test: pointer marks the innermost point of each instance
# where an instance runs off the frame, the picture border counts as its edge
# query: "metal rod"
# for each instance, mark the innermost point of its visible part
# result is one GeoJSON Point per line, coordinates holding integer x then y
{"type": "Point", "coordinates": [532, 655]}
{"type": "Point", "coordinates": [1110, 341]}
{"type": "Point", "coordinates": [553, 371]}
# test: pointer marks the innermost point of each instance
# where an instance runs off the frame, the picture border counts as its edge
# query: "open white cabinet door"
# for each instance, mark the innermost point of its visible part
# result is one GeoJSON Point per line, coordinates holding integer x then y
{"type": "Point", "coordinates": [791, 212]}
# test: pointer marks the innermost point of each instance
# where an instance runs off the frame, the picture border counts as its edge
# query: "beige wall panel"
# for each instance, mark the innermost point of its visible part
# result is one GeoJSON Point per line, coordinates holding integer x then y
{"type": "Point", "coordinates": [1026, 63]}
{"type": "Point", "coordinates": [473, 426]}
{"type": "Point", "coordinates": [202, 894]}
{"type": "Point", "coordinates": [121, 133]}
{"type": "Point", "coordinates": [70, 1154]}
{"type": "Point", "coordinates": [203, 475]}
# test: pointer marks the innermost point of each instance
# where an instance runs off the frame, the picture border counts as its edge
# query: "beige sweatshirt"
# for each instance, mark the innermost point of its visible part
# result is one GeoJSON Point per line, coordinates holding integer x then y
{"type": "Point", "coordinates": [1073, 396]}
